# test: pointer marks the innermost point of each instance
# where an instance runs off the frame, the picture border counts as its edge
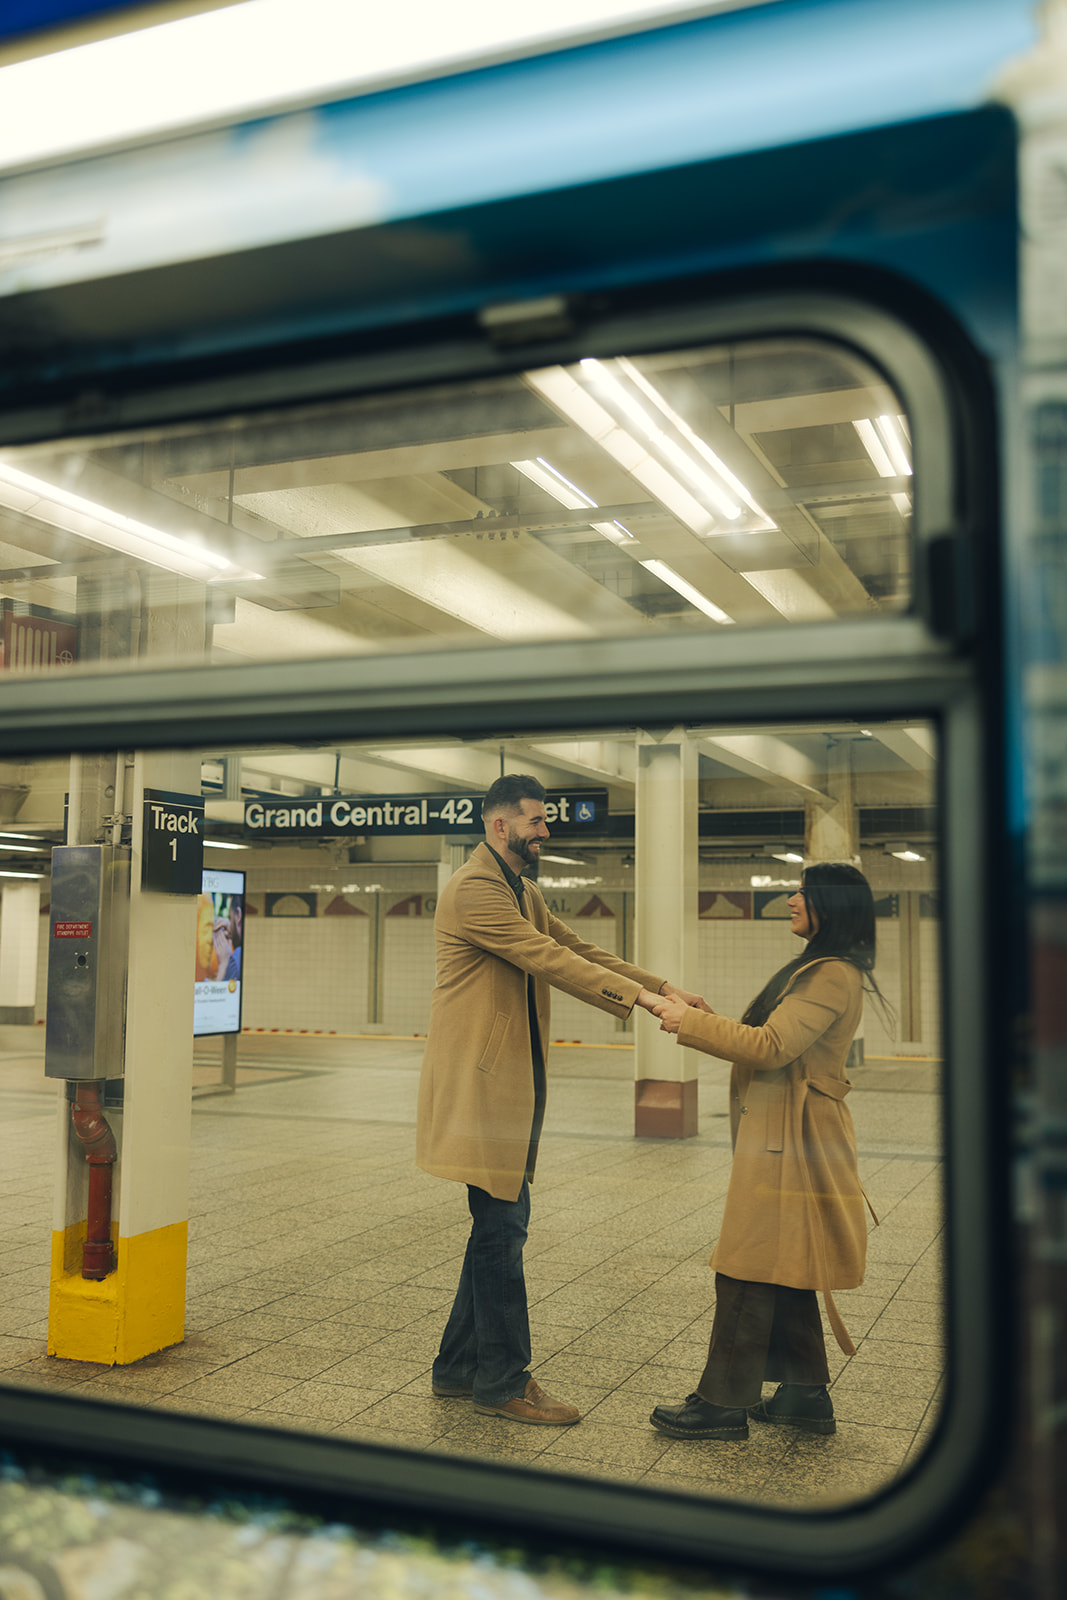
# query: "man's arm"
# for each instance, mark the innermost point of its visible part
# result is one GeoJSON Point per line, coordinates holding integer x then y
{"type": "Point", "coordinates": [669, 991]}
{"type": "Point", "coordinates": [590, 952]}
{"type": "Point", "coordinates": [485, 914]}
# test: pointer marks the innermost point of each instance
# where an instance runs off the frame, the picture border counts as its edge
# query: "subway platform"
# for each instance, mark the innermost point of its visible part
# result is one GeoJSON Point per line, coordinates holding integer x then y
{"type": "Point", "coordinates": [322, 1264]}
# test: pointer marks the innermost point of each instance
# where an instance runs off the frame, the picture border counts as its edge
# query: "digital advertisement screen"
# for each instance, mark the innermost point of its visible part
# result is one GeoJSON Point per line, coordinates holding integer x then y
{"type": "Point", "coordinates": [220, 926]}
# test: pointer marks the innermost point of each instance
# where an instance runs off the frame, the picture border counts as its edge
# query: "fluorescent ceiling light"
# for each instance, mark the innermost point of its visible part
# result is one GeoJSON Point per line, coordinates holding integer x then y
{"type": "Point", "coordinates": [667, 575]}
{"type": "Point", "coordinates": [569, 883]}
{"type": "Point", "coordinates": [21, 874]}
{"type": "Point", "coordinates": [22, 836]}
{"type": "Point", "coordinates": [615, 532]}
{"type": "Point", "coordinates": [224, 844]}
{"type": "Point", "coordinates": [893, 438]}
{"type": "Point", "coordinates": [872, 443]}
{"type": "Point", "coordinates": [567, 861]}
{"type": "Point", "coordinates": [29, 849]}
{"type": "Point", "coordinates": [635, 413]}
{"type": "Point", "coordinates": [546, 477]}
{"type": "Point", "coordinates": [905, 853]}
{"type": "Point", "coordinates": [693, 438]}
{"type": "Point", "coordinates": [245, 59]}
{"type": "Point", "coordinates": [902, 503]}
{"type": "Point", "coordinates": [787, 855]}
{"type": "Point", "coordinates": [578, 406]}
{"type": "Point", "coordinates": [100, 525]}
{"type": "Point", "coordinates": [549, 478]}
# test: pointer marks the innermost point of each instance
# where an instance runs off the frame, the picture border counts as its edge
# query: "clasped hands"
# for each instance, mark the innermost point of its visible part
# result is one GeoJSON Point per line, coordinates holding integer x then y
{"type": "Point", "coordinates": [670, 1005]}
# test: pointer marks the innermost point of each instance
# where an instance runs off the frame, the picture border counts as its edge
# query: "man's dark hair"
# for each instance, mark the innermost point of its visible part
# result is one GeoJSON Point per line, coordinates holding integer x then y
{"type": "Point", "coordinates": [506, 792]}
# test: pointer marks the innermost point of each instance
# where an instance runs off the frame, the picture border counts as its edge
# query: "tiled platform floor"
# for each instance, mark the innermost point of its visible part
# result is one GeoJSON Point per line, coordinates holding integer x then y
{"type": "Point", "coordinates": [322, 1265]}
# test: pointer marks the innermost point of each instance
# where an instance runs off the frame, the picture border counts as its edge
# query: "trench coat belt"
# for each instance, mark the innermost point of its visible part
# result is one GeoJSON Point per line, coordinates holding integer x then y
{"type": "Point", "coordinates": [835, 1089]}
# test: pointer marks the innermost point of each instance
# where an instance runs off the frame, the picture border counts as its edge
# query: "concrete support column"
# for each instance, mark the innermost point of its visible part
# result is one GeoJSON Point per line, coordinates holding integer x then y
{"type": "Point", "coordinates": [832, 833]}
{"type": "Point", "coordinates": [911, 1014]}
{"type": "Point", "coordinates": [831, 827]}
{"type": "Point", "coordinates": [666, 926]}
{"type": "Point", "coordinates": [376, 964]}
{"type": "Point", "coordinates": [231, 778]}
{"type": "Point", "coordinates": [452, 857]}
{"type": "Point", "coordinates": [20, 928]}
{"type": "Point", "coordinates": [140, 1306]}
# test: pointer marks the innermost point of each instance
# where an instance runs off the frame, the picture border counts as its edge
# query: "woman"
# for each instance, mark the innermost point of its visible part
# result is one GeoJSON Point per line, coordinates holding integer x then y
{"type": "Point", "coordinates": [794, 1220]}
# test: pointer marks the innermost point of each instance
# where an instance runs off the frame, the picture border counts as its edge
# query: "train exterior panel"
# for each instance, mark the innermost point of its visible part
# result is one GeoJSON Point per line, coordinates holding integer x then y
{"type": "Point", "coordinates": [886, 183]}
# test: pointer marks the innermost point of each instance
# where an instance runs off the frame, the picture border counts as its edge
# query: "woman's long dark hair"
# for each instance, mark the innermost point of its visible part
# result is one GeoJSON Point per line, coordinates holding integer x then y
{"type": "Point", "coordinates": [840, 903]}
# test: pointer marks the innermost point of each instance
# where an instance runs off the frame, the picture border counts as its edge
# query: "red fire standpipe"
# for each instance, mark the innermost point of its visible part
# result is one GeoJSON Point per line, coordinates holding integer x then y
{"type": "Point", "coordinates": [91, 1127]}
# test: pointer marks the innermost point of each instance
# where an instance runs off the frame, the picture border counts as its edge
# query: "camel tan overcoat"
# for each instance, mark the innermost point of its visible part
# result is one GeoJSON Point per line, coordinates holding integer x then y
{"type": "Point", "coordinates": [477, 1097]}
{"type": "Point", "coordinates": [794, 1207]}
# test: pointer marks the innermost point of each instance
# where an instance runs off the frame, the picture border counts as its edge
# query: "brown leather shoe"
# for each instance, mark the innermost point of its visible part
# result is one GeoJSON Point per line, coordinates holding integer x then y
{"type": "Point", "coordinates": [534, 1406]}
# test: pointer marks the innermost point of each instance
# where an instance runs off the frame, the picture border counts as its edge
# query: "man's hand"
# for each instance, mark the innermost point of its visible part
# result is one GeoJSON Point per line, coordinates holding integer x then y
{"type": "Point", "coordinates": [649, 1001]}
{"type": "Point", "coordinates": [670, 990]}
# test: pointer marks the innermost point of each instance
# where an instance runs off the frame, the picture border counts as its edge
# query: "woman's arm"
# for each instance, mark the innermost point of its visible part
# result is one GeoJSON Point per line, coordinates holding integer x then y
{"type": "Point", "coordinates": [802, 1017]}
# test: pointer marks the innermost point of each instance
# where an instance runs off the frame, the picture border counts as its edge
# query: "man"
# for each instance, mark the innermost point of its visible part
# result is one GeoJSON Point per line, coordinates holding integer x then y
{"type": "Point", "coordinates": [483, 1088]}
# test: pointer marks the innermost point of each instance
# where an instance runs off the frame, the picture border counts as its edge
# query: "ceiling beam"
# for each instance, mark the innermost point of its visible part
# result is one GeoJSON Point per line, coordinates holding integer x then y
{"type": "Point", "coordinates": [772, 760]}
{"type": "Point", "coordinates": [914, 746]}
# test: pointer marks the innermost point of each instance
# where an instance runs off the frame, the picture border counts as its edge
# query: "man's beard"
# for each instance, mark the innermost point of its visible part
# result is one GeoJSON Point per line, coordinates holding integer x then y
{"type": "Point", "coordinates": [531, 858]}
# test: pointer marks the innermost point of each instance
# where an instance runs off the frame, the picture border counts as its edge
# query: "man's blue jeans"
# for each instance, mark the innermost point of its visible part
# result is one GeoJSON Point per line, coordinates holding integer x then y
{"type": "Point", "coordinates": [486, 1342]}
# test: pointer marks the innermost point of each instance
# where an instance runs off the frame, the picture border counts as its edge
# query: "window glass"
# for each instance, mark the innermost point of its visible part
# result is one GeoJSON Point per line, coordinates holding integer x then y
{"type": "Point", "coordinates": [752, 484]}
{"type": "Point", "coordinates": [322, 1262]}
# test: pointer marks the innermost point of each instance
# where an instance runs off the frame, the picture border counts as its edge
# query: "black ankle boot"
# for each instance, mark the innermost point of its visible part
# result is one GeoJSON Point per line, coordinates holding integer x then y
{"type": "Point", "coordinates": [798, 1405]}
{"type": "Point", "coordinates": [699, 1419]}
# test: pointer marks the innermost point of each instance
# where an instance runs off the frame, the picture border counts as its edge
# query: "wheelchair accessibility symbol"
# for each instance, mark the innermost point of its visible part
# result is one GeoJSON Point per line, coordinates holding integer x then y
{"type": "Point", "coordinates": [585, 811]}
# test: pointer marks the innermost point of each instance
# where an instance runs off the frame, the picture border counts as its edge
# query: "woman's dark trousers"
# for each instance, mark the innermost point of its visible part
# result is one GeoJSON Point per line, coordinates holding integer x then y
{"type": "Point", "coordinates": [762, 1333]}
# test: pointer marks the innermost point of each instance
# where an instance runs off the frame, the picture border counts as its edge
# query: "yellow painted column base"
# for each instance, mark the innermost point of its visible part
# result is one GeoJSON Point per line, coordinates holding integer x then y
{"type": "Point", "coordinates": [137, 1309]}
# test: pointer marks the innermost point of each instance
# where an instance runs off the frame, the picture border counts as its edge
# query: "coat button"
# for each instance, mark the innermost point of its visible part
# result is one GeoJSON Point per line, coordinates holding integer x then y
{"type": "Point", "coordinates": [744, 1111]}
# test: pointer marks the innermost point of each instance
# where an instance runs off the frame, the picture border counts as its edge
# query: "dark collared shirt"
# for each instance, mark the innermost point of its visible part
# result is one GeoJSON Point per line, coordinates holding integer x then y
{"type": "Point", "coordinates": [513, 878]}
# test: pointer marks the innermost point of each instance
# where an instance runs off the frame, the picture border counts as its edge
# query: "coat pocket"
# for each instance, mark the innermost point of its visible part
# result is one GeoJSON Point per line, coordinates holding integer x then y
{"type": "Point", "coordinates": [496, 1038]}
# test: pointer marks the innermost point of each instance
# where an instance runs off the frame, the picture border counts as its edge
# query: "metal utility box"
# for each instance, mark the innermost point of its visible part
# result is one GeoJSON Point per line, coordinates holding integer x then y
{"type": "Point", "coordinates": [87, 958]}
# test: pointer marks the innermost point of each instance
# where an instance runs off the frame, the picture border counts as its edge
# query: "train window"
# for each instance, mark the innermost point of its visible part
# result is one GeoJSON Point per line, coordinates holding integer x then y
{"type": "Point", "coordinates": [745, 483]}
{"type": "Point", "coordinates": [713, 592]}
{"type": "Point", "coordinates": [288, 989]}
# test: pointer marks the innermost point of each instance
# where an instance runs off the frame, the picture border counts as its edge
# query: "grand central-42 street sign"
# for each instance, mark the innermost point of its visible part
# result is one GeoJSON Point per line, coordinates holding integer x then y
{"type": "Point", "coordinates": [329, 816]}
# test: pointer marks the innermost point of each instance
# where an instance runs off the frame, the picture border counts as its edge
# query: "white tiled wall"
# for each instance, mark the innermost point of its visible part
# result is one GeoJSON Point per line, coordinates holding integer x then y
{"type": "Point", "coordinates": [409, 973]}
{"type": "Point", "coordinates": [306, 972]}
{"type": "Point", "coordinates": [735, 959]}
{"type": "Point", "coordinates": [573, 1019]}
{"type": "Point", "coordinates": [313, 972]}
{"type": "Point", "coordinates": [878, 1039]}
{"type": "Point", "coordinates": [42, 963]}
{"type": "Point", "coordinates": [930, 966]}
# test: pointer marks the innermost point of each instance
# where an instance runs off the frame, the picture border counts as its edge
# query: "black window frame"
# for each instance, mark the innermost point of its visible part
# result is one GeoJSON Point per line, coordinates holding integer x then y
{"type": "Point", "coordinates": [924, 664]}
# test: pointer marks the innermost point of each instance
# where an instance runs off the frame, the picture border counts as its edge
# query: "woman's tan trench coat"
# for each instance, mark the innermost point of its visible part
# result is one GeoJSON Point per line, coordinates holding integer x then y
{"type": "Point", "coordinates": [477, 1094]}
{"type": "Point", "coordinates": [795, 1206]}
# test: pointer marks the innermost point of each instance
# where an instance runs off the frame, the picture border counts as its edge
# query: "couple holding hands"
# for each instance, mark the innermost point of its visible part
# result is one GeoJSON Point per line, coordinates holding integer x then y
{"type": "Point", "coordinates": [794, 1221]}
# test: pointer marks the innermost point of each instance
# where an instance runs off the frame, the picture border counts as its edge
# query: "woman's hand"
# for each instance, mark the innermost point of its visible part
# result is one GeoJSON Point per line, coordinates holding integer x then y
{"type": "Point", "coordinates": [670, 1009]}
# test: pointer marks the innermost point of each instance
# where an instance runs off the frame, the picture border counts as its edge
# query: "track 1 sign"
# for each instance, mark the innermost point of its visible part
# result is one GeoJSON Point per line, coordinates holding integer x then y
{"type": "Point", "coordinates": [172, 844]}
